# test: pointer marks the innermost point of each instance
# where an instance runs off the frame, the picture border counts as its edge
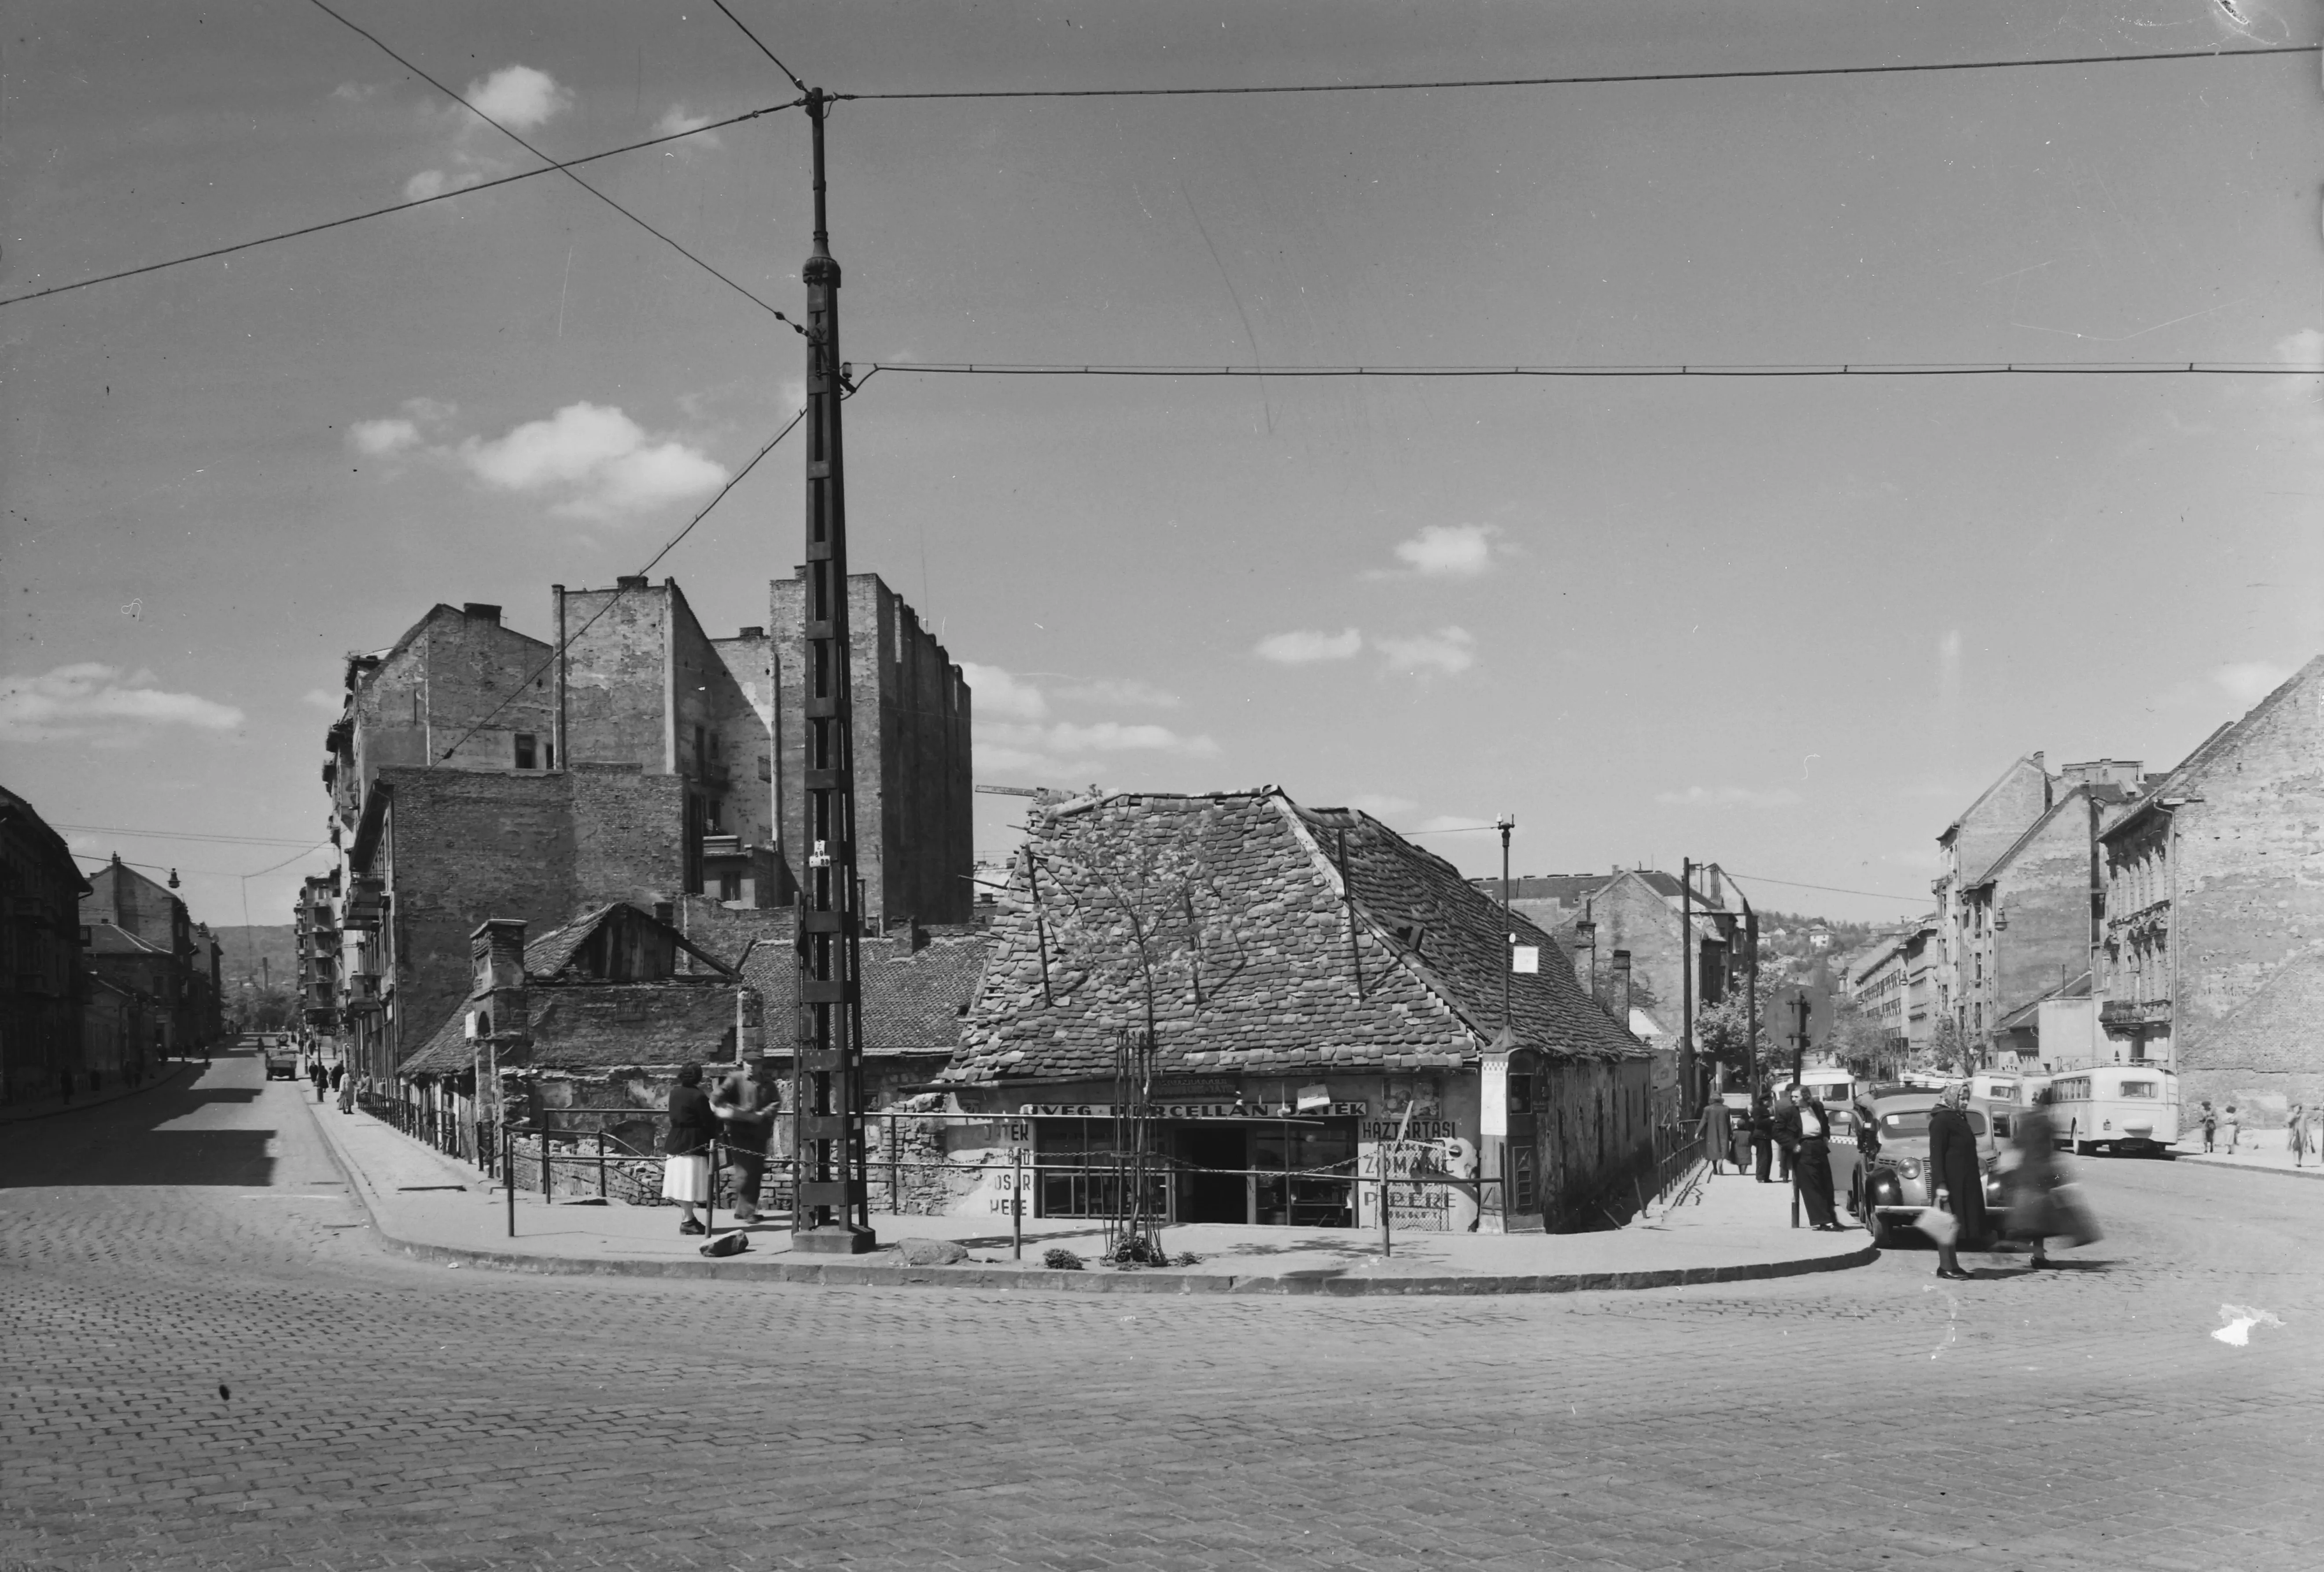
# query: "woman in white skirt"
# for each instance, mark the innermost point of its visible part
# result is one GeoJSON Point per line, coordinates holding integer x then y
{"type": "Point", "coordinates": [693, 1135]}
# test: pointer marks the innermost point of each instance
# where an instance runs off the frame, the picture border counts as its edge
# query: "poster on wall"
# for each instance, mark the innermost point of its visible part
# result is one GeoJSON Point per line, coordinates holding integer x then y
{"type": "Point", "coordinates": [1420, 1144]}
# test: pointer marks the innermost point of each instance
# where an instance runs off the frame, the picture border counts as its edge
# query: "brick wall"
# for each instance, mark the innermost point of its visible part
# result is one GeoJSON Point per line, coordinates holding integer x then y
{"type": "Point", "coordinates": [2249, 918]}
{"type": "Point", "coordinates": [2043, 896]}
{"type": "Point", "coordinates": [617, 677]}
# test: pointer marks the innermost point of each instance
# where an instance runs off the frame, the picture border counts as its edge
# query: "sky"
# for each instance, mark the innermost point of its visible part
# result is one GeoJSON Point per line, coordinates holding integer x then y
{"type": "Point", "coordinates": [1791, 626]}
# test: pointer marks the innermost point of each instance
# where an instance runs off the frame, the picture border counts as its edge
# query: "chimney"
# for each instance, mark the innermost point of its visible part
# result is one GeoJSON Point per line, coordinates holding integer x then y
{"type": "Point", "coordinates": [753, 632]}
{"type": "Point", "coordinates": [477, 611]}
{"type": "Point", "coordinates": [666, 912]}
{"type": "Point", "coordinates": [631, 581]}
{"type": "Point", "coordinates": [497, 947]}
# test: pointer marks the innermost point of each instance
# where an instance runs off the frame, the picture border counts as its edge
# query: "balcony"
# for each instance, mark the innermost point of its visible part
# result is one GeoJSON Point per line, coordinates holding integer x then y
{"type": "Point", "coordinates": [716, 846]}
{"type": "Point", "coordinates": [363, 995]}
{"type": "Point", "coordinates": [2135, 1013]}
{"type": "Point", "coordinates": [367, 904]}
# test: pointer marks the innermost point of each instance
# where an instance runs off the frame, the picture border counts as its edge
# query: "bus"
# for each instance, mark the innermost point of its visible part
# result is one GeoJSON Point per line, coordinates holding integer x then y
{"type": "Point", "coordinates": [1998, 1094]}
{"type": "Point", "coordinates": [2125, 1109]}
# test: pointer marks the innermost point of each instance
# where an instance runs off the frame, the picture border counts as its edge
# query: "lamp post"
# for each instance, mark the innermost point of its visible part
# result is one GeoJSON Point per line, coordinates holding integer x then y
{"type": "Point", "coordinates": [1505, 823]}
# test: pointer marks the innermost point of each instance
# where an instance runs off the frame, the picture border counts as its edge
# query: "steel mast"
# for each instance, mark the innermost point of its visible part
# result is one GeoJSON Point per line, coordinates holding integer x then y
{"type": "Point", "coordinates": [830, 1212]}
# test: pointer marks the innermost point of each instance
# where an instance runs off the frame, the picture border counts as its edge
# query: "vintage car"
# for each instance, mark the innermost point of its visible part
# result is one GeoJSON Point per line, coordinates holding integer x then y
{"type": "Point", "coordinates": [1883, 1176]}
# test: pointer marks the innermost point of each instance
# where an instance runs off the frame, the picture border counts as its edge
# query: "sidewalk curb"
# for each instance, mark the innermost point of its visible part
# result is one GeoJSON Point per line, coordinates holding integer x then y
{"type": "Point", "coordinates": [867, 1274]}
{"type": "Point", "coordinates": [2202, 1160]}
{"type": "Point", "coordinates": [154, 1084]}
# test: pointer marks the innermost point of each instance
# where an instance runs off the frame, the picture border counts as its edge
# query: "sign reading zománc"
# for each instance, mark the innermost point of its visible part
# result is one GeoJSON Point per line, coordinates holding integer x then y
{"type": "Point", "coordinates": [1256, 1111]}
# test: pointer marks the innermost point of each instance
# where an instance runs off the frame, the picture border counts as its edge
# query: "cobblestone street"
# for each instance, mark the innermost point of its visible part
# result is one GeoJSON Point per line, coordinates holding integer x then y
{"type": "Point", "coordinates": [210, 1363]}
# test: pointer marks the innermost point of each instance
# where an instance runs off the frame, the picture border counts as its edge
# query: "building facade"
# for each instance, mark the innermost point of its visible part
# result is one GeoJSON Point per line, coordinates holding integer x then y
{"type": "Point", "coordinates": [2212, 956]}
{"type": "Point", "coordinates": [40, 967]}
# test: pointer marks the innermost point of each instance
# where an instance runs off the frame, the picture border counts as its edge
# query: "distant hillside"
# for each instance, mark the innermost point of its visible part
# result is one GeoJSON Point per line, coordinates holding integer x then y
{"type": "Point", "coordinates": [243, 948]}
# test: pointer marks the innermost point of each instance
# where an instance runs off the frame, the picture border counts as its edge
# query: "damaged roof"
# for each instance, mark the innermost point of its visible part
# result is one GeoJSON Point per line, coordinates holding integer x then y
{"type": "Point", "coordinates": [916, 988]}
{"type": "Point", "coordinates": [1273, 932]}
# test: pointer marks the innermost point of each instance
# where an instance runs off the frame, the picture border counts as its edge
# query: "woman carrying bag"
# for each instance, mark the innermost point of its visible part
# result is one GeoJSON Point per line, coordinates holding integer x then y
{"type": "Point", "coordinates": [1957, 1182]}
{"type": "Point", "coordinates": [2039, 1207]}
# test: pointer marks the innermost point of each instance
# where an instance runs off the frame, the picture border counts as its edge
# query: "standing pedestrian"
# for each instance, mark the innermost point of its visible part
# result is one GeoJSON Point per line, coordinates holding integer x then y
{"type": "Point", "coordinates": [1716, 1137]}
{"type": "Point", "coordinates": [1762, 1120]}
{"type": "Point", "coordinates": [2208, 1117]}
{"type": "Point", "coordinates": [1956, 1182]}
{"type": "Point", "coordinates": [2295, 1132]}
{"type": "Point", "coordinates": [693, 1132]}
{"type": "Point", "coordinates": [1786, 1126]}
{"type": "Point", "coordinates": [346, 1085]}
{"type": "Point", "coordinates": [1810, 1129]}
{"type": "Point", "coordinates": [322, 1081]}
{"type": "Point", "coordinates": [746, 1102]}
{"type": "Point", "coordinates": [2230, 1127]}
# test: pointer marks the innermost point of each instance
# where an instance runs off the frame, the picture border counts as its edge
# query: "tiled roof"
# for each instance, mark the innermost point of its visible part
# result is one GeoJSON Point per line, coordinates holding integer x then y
{"type": "Point", "coordinates": [605, 1025]}
{"type": "Point", "coordinates": [1277, 980]}
{"type": "Point", "coordinates": [913, 999]}
{"type": "Point", "coordinates": [553, 952]}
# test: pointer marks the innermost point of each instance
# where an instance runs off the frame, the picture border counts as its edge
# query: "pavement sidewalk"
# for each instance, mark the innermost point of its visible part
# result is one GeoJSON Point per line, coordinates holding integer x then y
{"type": "Point", "coordinates": [436, 1208]}
{"type": "Point", "coordinates": [2257, 1152]}
{"type": "Point", "coordinates": [170, 1071]}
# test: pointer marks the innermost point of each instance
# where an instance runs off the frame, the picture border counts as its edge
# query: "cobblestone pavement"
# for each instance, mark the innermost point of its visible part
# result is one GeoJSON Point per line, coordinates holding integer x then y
{"type": "Point", "coordinates": [209, 1364]}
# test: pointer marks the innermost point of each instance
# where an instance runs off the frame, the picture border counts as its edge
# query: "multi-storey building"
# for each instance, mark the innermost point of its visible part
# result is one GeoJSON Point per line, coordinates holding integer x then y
{"type": "Point", "coordinates": [2212, 958]}
{"type": "Point", "coordinates": [477, 772]}
{"type": "Point", "coordinates": [40, 971]}
{"type": "Point", "coordinates": [185, 992]}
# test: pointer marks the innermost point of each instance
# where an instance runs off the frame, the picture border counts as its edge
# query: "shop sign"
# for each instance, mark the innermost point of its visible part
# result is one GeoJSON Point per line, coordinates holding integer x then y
{"type": "Point", "coordinates": [1338, 1110]}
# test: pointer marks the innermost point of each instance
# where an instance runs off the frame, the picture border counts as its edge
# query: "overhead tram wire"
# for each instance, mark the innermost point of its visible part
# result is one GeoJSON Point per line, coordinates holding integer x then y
{"type": "Point", "coordinates": [178, 835]}
{"type": "Point", "coordinates": [763, 49]}
{"type": "Point", "coordinates": [1602, 79]}
{"type": "Point", "coordinates": [1877, 895]}
{"type": "Point", "coordinates": [2174, 368]}
{"type": "Point", "coordinates": [377, 42]}
{"type": "Point", "coordinates": [242, 245]}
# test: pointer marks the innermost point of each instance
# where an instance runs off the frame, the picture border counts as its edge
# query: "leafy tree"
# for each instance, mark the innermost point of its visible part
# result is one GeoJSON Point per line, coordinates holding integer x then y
{"type": "Point", "coordinates": [1722, 1035]}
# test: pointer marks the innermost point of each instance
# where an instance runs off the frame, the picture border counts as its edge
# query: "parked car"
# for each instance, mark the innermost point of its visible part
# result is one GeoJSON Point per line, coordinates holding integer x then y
{"type": "Point", "coordinates": [281, 1060]}
{"type": "Point", "coordinates": [1885, 1177]}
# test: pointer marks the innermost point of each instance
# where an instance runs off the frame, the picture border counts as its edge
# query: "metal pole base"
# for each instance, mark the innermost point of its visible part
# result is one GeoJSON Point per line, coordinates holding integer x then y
{"type": "Point", "coordinates": [838, 1239]}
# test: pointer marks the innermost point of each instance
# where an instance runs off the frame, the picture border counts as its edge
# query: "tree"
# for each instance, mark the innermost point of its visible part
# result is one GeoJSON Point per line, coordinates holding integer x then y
{"type": "Point", "coordinates": [1948, 1050]}
{"type": "Point", "coordinates": [1723, 1037]}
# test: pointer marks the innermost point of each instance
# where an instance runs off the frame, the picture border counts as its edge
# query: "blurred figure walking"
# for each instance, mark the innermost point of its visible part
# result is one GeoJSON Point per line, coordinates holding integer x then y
{"type": "Point", "coordinates": [2039, 1209]}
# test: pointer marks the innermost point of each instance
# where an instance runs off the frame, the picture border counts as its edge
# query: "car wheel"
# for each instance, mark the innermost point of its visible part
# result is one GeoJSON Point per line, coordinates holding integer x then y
{"type": "Point", "coordinates": [1882, 1235]}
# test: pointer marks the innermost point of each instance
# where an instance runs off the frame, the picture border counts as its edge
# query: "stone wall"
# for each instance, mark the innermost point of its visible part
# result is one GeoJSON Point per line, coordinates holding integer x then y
{"type": "Point", "coordinates": [2043, 896]}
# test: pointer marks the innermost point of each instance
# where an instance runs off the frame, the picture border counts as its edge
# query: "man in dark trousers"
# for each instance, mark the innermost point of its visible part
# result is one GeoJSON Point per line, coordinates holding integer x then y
{"type": "Point", "coordinates": [746, 1100]}
{"type": "Point", "coordinates": [1805, 1129]}
{"type": "Point", "coordinates": [321, 1078]}
{"type": "Point", "coordinates": [1761, 1121]}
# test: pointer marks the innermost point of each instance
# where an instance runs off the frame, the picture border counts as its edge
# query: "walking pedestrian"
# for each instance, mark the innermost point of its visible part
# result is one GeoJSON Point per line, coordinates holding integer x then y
{"type": "Point", "coordinates": [2038, 1209]}
{"type": "Point", "coordinates": [2230, 1127]}
{"type": "Point", "coordinates": [322, 1081]}
{"type": "Point", "coordinates": [2208, 1117]}
{"type": "Point", "coordinates": [346, 1085]}
{"type": "Point", "coordinates": [693, 1131]}
{"type": "Point", "coordinates": [2295, 1132]}
{"type": "Point", "coordinates": [1717, 1138]}
{"type": "Point", "coordinates": [1809, 1127]}
{"type": "Point", "coordinates": [1762, 1120]}
{"type": "Point", "coordinates": [1956, 1182]}
{"type": "Point", "coordinates": [746, 1102]}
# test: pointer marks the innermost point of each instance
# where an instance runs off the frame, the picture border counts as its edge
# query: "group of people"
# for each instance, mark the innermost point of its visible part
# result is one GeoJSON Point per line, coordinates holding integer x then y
{"type": "Point", "coordinates": [2036, 1209]}
{"type": "Point", "coordinates": [735, 1118]}
{"type": "Point", "coordinates": [2303, 1130]}
{"type": "Point", "coordinates": [333, 1078]}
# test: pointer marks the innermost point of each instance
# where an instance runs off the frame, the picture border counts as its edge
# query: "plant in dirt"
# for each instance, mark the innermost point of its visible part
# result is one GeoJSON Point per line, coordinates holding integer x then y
{"type": "Point", "coordinates": [1062, 1260]}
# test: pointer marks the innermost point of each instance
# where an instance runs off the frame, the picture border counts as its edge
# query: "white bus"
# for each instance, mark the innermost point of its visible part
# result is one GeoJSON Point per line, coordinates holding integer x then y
{"type": "Point", "coordinates": [2122, 1108]}
{"type": "Point", "coordinates": [1999, 1094]}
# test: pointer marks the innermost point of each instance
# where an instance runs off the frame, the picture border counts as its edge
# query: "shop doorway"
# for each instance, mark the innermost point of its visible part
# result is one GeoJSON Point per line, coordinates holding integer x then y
{"type": "Point", "coordinates": [1213, 1197]}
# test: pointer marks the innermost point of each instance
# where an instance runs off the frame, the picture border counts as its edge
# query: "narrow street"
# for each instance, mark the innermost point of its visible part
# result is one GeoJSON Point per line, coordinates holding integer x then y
{"type": "Point", "coordinates": [210, 1363]}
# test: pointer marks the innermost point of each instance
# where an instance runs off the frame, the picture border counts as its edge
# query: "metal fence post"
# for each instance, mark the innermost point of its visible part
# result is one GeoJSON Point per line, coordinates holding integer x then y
{"type": "Point", "coordinates": [601, 1165]}
{"type": "Point", "coordinates": [508, 1173]}
{"type": "Point", "coordinates": [545, 1192]}
{"type": "Point", "coordinates": [1017, 1205]}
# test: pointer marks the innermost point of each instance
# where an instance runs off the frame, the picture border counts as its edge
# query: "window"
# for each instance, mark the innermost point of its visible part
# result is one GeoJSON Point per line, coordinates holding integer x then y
{"type": "Point", "coordinates": [527, 749]}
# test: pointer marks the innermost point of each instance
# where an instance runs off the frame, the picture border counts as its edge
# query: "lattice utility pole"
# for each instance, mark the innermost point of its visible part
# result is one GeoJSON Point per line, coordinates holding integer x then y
{"type": "Point", "coordinates": [830, 1212]}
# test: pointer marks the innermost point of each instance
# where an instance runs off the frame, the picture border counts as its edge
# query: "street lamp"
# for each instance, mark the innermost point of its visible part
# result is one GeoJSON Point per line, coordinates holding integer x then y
{"type": "Point", "coordinates": [1505, 823]}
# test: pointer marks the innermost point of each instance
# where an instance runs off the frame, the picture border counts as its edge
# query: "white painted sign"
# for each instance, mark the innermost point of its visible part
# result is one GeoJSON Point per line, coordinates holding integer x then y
{"type": "Point", "coordinates": [1524, 959]}
{"type": "Point", "coordinates": [1493, 1119]}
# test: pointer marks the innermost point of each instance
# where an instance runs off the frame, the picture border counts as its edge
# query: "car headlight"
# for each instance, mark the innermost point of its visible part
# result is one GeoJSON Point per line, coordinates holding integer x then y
{"type": "Point", "coordinates": [1910, 1167]}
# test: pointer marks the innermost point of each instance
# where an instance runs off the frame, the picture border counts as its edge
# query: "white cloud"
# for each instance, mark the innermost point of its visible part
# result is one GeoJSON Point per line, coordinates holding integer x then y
{"type": "Point", "coordinates": [1104, 737]}
{"type": "Point", "coordinates": [519, 96]}
{"type": "Point", "coordinates": [354, 92]}
{"type": "Point", "coordinates": [1126, 691]}
{"type": "Point", "coordinates": [1454, 551]}
{"type": "Point", "coordinates": [676, 119]}
{"type": "Point", "coordinates": [324, 699]}
{"type": "Point", "coordinates": [995, 691]}
{"type": "Point", "coordinates": [1302, 645]}
{"type": "Point", "coordinates": [2248, 682]}
{"type": "Point", "coordinates": [1728, 796]}
{"type": "Point", "coordinates": [383, 438]}
{"type": "Point", "coordinates": [428, 411]}
{"type": "Point", "coordinates": [1450, 650]}
{"type": "Point", "coordinates": [428, 183]}
{"type": "Point", "coordinates": [602, 462]}
{"type": "Point", "coordinates": [88, 699]}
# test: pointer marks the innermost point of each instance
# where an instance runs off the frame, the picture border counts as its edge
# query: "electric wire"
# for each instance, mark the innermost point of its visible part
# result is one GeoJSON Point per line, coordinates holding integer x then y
{"type": "Point", "coordinates": [205, 872]}
{"type": "Point", "coordinates": [762, 47]}
{"type": "Point", "coordinates": [375, 40]}
{"type": "Point", "coordinates": [180, 835]}
{"type": "Point", "coordinates": [620, 589]}
{"type": "Point", "coordinates": [2175, 368]}
{"type": "Point", "coordinates": [394, 207]}
{"type": "Point", "coordinates": [1828, 888]}
{"type": "Point", "coordinates": [1608, 78]}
